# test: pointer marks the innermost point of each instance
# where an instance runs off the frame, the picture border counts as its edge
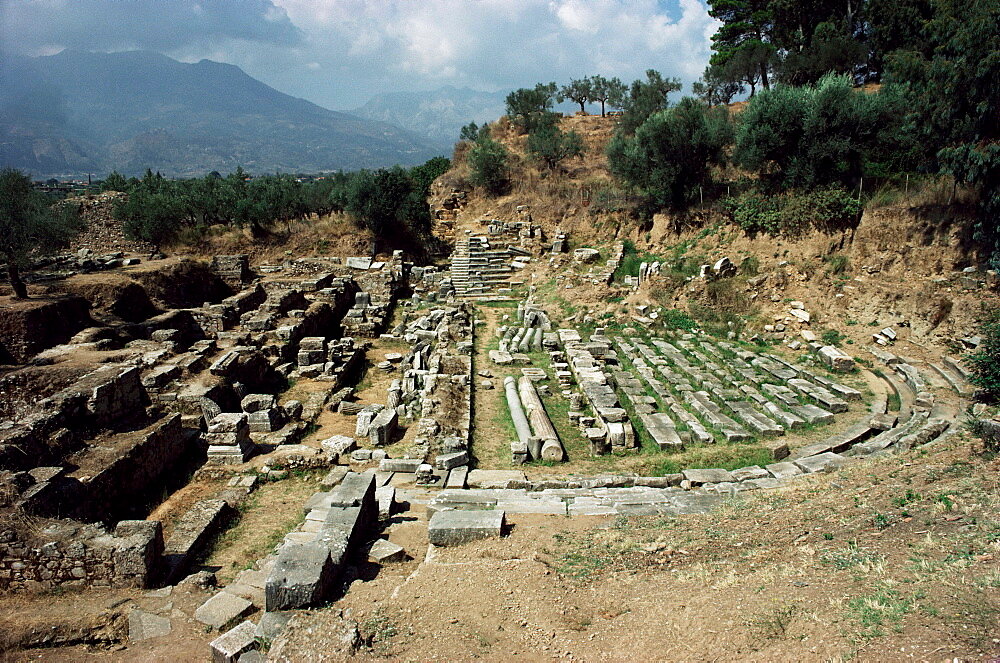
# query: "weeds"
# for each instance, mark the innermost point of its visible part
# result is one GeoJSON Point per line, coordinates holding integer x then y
{"type": "Point", "coordinates": [884, 607]}
{"type": "Point", "coordinates": [378, 632]}
{"type": "Point", "coordinates": [772, 624]}
{"type": "Point", "coordinates": [850, 557]}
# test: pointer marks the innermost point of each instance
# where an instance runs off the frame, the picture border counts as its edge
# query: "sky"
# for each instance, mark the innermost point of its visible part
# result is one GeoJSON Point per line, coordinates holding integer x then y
{"type": "Point", "coordinates": [339, 53]}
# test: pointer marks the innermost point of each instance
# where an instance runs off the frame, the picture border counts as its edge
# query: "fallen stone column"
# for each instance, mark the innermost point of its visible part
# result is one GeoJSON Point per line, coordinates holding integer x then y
{"type": "Point", "coordinates": [519, 449]}
{"type": "Point", "coordinates": [552, 449]}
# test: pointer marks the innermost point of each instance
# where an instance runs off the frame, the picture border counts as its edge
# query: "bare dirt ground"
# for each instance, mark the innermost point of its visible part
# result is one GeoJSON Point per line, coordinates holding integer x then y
{"type": "Point", "coordinates": [893, 559]}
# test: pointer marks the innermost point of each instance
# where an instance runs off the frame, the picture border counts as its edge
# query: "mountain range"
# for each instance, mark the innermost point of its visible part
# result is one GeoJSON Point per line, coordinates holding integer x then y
{"type": "Point", "coordinates": [438, 114]}
{"type": "Point", "coordinates": [79, 112]}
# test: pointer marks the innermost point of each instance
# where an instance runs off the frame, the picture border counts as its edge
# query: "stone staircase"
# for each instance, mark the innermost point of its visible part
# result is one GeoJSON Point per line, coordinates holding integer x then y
{"type": "Point", "coordinates": [477, 269]}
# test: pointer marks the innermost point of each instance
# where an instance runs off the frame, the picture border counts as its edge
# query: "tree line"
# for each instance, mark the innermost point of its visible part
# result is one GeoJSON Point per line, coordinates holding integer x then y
{"type": "Point", "coordinates": [386, 201]}
{"type": "Point", "coordinates": [807, 135]}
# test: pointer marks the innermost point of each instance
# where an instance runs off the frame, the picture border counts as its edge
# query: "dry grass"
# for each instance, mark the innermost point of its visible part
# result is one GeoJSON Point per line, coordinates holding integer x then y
{"type": "Point", "coordinates": [265, 517]}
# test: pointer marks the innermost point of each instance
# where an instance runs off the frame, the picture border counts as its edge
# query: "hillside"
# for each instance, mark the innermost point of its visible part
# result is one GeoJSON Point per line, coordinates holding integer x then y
{"type": "Point", "coordinates": [77, 112]}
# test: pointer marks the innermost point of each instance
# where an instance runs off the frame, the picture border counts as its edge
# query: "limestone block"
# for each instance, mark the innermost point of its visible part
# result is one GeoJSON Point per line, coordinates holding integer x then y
{"type": "Point", "coordinates": [450, 460]}
{"type": "Point", "coordinates": [144, 625]}
{"type": "Point", "coordinates": [300, 577]}
{"type": "Point", "coordinates": [835, 358]}
{"type": "Point", "coordinates": [257, 402]}
{"type": "Point", "coordinates": [824, 462]}
{"type": "Point", "coordinates": [222, 609]}
{"type": "Point", "coordinates": [386, 552]}
{"type": "Point", "coordinates": [449, 528]}
{"type": "Point", "coordinates": [405, 465]}
{"type": "Point", "coordinates": [383, 428]}
{"type": "Point", "coordinates": [266, 421]}
{"type": "Point", "coordinates": [231, 646]}
{"type": "Point", "coordinates": [698, 477]}
{"type": "Point", "coordinates": [338, 445]}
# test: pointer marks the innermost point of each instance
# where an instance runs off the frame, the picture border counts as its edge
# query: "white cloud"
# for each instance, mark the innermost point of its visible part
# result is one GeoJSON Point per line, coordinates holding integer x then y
{"type": "Point", "coordinates": [500, 44]}
{"type": "Point", "coordinates": [339, 52]}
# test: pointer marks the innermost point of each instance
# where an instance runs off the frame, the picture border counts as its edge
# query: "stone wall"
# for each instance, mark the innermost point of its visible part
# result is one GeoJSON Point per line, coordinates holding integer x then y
{"type": "Point", "coordinates": [27, 328]}
{"type": "Point", "coordinates": [110, 394]}
{"type": "Point", "coordinates": [71, 555]}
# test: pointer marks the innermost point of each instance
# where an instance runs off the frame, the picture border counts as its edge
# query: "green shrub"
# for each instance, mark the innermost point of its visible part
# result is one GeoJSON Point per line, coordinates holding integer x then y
{"type": "Point", "coordinates": [489, 161]}
{"type": "Point", "coordinates": [838, 263]}
{"type": "Point", "coordinates": [831, 337]}
{"type": "Point", "coordinates": [984, 363]}
{"type": "Point", "coordinates": [677, 319]}
{"type": "Point", "coordinates": [794, 212]}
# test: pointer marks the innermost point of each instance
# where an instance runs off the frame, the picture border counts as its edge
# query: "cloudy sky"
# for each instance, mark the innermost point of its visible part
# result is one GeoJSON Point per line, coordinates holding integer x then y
{"type": "Point", "coordinates": [338, 53]}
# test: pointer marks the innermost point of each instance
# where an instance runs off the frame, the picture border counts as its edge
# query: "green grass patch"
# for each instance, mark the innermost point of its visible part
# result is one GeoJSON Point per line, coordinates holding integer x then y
{"type": "Point", "coordinates": [884, 607]}
{"type": "Point", "coordinates": [727, 457]}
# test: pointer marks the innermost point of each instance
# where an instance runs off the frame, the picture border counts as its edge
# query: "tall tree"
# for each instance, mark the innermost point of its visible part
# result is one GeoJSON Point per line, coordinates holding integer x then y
{"type": "Point", "coordinates": [647, 97]}
{"type": "Point", "coordinates": [550, 145]}
{"type": "Point", "coordinates": [715, 87]}
{"type": "Point", "coordinates": [672, 152]}
{"type": "Point", "coordinates": [29, 224]}
{"type": "Point", "coordinates": [955, 101]}
{"type": "Point", "coordinates": [527, 106]}
{"type": "Point", "coordinates": [610, 91]}
{"type": "Point", "coordinates": [579, 91]}
{"type": "Point", "coordinates": [742, 44]}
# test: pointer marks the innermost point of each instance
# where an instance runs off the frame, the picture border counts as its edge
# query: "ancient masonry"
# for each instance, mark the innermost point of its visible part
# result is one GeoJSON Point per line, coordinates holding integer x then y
{"type": "Point", "coordinates": [80, 464]}
{"type": "Point", "coordinates": [204, 389]}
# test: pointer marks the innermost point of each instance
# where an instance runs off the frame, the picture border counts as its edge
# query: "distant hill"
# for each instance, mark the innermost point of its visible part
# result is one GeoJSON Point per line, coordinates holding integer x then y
{"type": "Point", "coordinates": [439, 114]}
{"type": "Point", "coordinates": [78, 112]}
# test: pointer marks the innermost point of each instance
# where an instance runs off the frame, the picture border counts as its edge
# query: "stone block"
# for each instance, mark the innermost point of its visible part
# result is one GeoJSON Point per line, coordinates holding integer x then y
{"type": "Point", "coordinates": [449, 528]}
{"type": "Point", "coordinates": [301, 577]}
{"type": "Point", "coordinates": [835, 358]}
{"type": "Point", "coordinates": [144, 625]}
{"type": "Point", "coordinates": [386, 552]}
{"type": "Point", "coordinates": [385, 496]}
{"type": "Point", "coordinates": [783, 470]}
{"type": "Point", "coordinates": [266, 421]}
{"type": "Point", "coordinates": [230, 646]}
{"type": "Point", "coordinates": [222, 609]}
{"type": "Point", "coordinates": [228, 422]}
{"type": "Point", "coordinates": [272, 624]}
{"type": "Point", "coordinates": [496, 479]}
{"type": "Point", "coordinates": [448, 461]}
{"type": "Point", "coordinates": [752, 472]}
{"type": "Point", "coordinates": [383, 427]}
{"type": "Point", "coordinates": [824, 462]}
{"type": "Point", "coordinates": [713, 475]}
{"type": "Point", "coordinates": [257, 402]}
{"type": "Point", "coordinates": [406, 465]}
{"type": "Point", "coordinates": [337, 446]}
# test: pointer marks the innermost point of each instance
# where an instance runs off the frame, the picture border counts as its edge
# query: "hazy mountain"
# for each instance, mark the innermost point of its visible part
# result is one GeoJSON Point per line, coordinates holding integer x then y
{"type": "Point", "coordinates": [79, 112]}
{"type": "Point", "coordinates": [439, 114]}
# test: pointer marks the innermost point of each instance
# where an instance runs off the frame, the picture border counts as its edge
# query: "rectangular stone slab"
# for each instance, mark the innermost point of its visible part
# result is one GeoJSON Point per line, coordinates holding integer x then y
{"type": "Point", "coordinates": [450, 528]}
{"type": "Point", "coordinates": [712, 475]}
{"type": "Point", "coordinates": [824, 462]}
{"type": "Point", "coordinates": [222, 609]}
{"type": "Point", "coordinates": [228, 647]}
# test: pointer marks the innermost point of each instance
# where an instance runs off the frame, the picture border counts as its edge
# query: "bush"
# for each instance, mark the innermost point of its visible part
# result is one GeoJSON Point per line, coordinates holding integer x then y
{"type": "Point", "coordinates": [489, 161]}
{"type": "Point", "coordinates": [838, 264]}
{"type": "Point", "coordinates": [676, 319]}
{"type": "Point", "coordinates": [984, 363]}
{"type": "Point", "coordinates": [795, 212]}
{"type": "Point", "coordinates": [672, 152]}
{"type": "Point", "coordinates": [750, 266]}
{"type": "Point", "coordinates": [831, 337]}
